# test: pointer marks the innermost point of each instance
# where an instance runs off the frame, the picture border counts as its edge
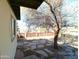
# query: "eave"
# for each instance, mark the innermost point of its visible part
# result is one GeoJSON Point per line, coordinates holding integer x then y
{"type": "Point", "coordinates": [15, 5]}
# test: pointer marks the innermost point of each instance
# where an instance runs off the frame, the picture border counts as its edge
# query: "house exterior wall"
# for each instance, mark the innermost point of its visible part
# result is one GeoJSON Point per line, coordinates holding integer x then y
{"type": "Point", "coordinates": [7, 48]}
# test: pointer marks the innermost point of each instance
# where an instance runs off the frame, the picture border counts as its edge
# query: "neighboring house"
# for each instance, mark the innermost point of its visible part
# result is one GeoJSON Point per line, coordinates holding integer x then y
{"type": "Point", "coordinates": [8, 19]}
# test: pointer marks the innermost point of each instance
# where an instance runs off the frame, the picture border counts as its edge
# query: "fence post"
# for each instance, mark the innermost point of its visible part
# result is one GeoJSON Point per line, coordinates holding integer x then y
{"type": "Point", "coordinates": [25, 35]}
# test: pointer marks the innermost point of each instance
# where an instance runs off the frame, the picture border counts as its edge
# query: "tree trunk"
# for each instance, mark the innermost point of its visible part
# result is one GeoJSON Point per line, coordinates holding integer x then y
{"type": "Point", "coordinates": [57, 23]}
{"type": "Point", "coordinates": [56, 39]}
{"type": "Point", "coordinates": [57, 31]}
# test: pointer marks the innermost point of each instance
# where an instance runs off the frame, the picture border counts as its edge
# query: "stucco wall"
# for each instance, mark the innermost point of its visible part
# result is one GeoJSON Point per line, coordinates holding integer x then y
{"type": "Point", "coordinates": [7, 48]}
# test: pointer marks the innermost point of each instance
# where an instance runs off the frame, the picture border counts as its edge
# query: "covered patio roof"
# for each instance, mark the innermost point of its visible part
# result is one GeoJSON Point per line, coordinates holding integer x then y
{"type": "Point", "coordinates": [15, 5]}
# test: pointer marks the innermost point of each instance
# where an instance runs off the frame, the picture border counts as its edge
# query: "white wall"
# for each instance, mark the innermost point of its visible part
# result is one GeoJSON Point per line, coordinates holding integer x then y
{"type": "Point", "coordinates": [7, 48]}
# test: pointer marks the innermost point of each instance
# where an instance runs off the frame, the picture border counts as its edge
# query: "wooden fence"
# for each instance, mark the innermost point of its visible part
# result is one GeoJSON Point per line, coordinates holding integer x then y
{"type": "Point", "coordinates": [35, 35]}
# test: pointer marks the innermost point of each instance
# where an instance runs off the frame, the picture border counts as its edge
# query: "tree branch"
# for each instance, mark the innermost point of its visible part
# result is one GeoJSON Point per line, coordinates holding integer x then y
{"type": "Point", "coordinates": [53, 11]}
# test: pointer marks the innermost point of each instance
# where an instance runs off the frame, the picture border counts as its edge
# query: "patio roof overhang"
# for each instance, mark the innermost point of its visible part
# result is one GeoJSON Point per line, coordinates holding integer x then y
{"type": "Point", "coordinates": [15, 5]}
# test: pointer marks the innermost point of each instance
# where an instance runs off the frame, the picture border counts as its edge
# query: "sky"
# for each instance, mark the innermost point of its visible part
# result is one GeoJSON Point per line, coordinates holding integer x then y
{"type": "Point", "coordinates": [69, 8]}
{"type": "Point", "coordinates": [69, 5]}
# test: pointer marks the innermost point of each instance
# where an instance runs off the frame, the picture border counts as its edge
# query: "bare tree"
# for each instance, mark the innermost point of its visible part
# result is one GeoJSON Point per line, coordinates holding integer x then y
{"type": "Point", "coordinates": [54, 12]}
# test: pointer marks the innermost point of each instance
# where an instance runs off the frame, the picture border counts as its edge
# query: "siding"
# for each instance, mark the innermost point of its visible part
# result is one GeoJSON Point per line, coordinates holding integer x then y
{"type": "Point", "coordinates": [7, 48]}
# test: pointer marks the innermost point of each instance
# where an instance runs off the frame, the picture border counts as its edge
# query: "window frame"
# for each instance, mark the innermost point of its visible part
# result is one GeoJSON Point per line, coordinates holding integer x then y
{"type": "Point", "coordinates": [13, 28]}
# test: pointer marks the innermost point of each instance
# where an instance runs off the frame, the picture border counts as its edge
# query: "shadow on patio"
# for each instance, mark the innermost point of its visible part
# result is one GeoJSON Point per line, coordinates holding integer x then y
{"type": "Point", "coordinates": [43, 49]}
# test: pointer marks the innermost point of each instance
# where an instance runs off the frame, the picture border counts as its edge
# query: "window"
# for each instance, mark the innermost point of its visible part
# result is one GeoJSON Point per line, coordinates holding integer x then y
{"type": "Point", "coordinates": [13, 28]}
